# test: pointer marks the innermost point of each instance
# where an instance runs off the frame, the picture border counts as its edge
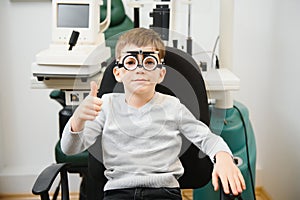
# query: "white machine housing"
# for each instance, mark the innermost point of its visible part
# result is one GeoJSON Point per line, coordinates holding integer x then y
{"type": "Point", "coordinates": [86, 57]}
{"type": "Point", "coordinates": [66, 18]}
{"type": "Point", "coordinates": [76, 15]}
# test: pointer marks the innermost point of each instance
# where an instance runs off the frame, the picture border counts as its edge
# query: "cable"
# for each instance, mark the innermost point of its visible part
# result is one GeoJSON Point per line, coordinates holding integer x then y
{"type": "Point", "coordinates": [217, 63]}
{"type": "Point", "coordinates": [247, 151]}
{"type": "Point", "coordinates": [214, 51]}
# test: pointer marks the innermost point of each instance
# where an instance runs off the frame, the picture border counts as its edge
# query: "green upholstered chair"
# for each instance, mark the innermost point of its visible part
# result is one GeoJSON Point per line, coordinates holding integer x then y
{"type": "Point", "coordinates": [119, 23]}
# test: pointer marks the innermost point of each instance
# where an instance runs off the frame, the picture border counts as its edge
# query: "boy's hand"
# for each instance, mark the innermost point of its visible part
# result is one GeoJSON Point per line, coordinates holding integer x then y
{"type": "Point", "coordinates": [229, 173]}
{"type": "Point", "coordinates": [88, 109]}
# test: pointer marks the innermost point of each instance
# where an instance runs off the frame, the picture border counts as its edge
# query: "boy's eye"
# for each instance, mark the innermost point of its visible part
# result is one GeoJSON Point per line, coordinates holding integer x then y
{"type": "Point", "coordinates": [130, 62]}
{"type": "Point", "coordinates": [149, 62]}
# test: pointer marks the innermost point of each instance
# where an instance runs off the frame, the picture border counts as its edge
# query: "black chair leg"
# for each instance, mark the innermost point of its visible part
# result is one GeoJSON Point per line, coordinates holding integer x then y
{"type": "Point", "coordinates": [56, 192]}
{"type": "Point", "coordinates": [45, 196]}
{"type": "Point", "coordinates": [64, 185]}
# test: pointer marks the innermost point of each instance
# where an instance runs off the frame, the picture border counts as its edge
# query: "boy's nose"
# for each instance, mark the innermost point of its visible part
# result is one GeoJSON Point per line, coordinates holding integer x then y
{"type": "Point", "coordinates": [140, 69]}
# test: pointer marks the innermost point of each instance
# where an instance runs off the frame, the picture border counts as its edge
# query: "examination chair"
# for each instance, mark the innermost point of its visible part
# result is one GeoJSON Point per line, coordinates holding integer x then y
{"type": "Point", "coordinates": [183, 80]}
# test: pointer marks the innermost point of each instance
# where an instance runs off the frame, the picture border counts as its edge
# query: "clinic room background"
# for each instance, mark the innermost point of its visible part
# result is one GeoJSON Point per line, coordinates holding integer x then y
{"type": "Point", "coordinates": [265, 58]}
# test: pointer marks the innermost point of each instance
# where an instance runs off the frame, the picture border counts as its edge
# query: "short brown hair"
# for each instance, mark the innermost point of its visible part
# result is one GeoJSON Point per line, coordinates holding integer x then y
{"type": "Point", "coordinates": [140, 37]}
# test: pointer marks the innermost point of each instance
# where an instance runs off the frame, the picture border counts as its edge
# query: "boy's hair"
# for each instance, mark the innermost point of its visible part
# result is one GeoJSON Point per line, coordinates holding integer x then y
{"type": "Point", "coordinates": [140, 37]}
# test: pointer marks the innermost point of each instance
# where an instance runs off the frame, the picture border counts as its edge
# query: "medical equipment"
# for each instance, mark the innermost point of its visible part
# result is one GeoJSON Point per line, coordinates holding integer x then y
{"type": "Point", "coordinates": [161, 20]}
{"type": "Point", "coordinates": [236, 129]}
{"type": "Point", "coordinates": [63, 61]}
{"type": "Point", "coordinates": [160, 14]}
{"type": "Point", "coordinates": [70, 14]}
{"type": "Point", "coordinates": [219, 82]}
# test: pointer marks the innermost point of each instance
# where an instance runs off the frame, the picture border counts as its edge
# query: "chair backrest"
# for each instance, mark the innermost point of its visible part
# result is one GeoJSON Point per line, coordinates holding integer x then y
{"type": "Point", "coordinates": [183, 80]}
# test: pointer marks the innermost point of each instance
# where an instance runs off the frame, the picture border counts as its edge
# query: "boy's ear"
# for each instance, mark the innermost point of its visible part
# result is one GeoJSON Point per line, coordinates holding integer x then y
{"type": "Point", "coordinates": [162, 74]}
{"type": "Point", "coordinates": [116, 72]}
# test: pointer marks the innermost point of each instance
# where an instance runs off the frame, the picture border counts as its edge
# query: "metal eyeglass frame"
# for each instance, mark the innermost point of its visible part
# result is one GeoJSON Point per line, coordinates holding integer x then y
{"type": "Point", "coordinates": [146, 55]}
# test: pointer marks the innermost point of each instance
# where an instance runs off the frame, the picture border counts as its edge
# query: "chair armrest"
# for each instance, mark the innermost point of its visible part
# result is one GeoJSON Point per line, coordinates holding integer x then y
{"type": "Point", "coordinates": [45, 180]}
{"type": "Point", "coordinates": [59, 96]}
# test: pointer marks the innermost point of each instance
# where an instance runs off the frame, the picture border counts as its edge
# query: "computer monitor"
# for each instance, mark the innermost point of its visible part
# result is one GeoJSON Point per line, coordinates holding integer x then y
{"type": "Point", "coordinates": [79, 15]}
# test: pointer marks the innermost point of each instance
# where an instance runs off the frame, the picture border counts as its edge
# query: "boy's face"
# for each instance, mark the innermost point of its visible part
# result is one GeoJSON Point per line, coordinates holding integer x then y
{"type": "Point", "coordinates": [139, 80]}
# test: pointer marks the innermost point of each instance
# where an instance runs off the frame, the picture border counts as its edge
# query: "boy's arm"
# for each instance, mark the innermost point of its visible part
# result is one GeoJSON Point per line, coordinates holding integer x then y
{"type": "Point", "coordinates": [74, 139]}
{"type": "Point", "coordinates": [216, 148]}
{"type": "Point", "coordinates": [200, 134]}
{"type": "Point", "coordinates": [71, 142]}
{"type": "Point", "coordinates": [76, 142]}
{"type": "Point", "coordinates": [87, 110]}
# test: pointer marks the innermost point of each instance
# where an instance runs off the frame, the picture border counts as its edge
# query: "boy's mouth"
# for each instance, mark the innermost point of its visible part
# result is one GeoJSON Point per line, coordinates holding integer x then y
{"type": "Point", "coordinates": [140, 79]}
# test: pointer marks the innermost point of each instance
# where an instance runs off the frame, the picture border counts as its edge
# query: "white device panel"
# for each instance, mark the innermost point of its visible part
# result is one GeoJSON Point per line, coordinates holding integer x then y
{"type": "Point", "coordinates": [78, 15]}
{"type": "Point", "coordinates": [75, 97]}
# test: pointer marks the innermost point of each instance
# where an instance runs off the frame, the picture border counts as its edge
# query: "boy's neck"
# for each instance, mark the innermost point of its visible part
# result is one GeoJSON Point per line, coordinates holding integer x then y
{"type": "Point", "coordinates": [138, 100]}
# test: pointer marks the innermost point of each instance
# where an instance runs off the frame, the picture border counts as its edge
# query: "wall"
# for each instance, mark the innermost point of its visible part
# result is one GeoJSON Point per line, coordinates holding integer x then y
{"type": "Point", "coordinates": [1, 141]}
{"type": "Point", "coordinates": [265, 58]}
{"type": "Point", "coordinates": [28, 117]}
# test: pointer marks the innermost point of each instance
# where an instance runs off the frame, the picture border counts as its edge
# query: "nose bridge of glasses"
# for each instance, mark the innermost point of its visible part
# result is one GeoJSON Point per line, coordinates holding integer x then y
{"type": "Point", "coordinates": [140, 58]}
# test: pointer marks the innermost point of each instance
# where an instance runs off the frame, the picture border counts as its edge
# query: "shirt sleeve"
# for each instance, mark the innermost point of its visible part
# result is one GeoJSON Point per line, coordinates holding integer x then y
{"type": "Point", "coordinates": [200, 134]}
{"type": "Point", "coordinates": [76, 142]}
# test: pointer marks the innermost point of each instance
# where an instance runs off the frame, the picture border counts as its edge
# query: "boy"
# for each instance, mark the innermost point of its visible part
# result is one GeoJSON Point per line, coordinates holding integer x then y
{"type": "Point", "coordinates": [140, 128]}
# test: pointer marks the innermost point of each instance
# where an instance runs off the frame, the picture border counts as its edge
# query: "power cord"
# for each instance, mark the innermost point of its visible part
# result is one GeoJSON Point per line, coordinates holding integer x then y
{"type": "Point", "coordinates": [214, 54]}
{"type": "Point", "coordinates": [247, 151]}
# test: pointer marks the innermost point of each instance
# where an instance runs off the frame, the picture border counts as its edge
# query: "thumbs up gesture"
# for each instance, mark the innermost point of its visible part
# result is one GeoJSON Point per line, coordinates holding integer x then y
{"type": "Point", "coordinates": [88, 109]}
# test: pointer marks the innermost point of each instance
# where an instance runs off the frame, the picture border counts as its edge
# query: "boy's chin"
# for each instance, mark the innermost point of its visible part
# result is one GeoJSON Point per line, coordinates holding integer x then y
{"type": "Point", "coordinates": [143, 89]}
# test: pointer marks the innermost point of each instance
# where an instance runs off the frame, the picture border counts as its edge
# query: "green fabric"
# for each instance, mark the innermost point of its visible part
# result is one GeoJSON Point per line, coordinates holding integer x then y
{"type": "Point", "coordinates": [55, 94]}
{"type": "Point", "coordinates": [112, 34]}
{"type": "Point", "coordinates": [119, 23]}
{"type": "Point", "coordinates": [113, 31]}
{"type": "Point", "coordinates": [117, 12]}
{"type": "Point", "coordinates": [80, 159]}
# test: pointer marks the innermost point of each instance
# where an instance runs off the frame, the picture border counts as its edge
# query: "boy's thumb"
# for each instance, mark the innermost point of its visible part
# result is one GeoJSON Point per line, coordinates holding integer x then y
{"type": "Point", "coordinates": [94, 89]}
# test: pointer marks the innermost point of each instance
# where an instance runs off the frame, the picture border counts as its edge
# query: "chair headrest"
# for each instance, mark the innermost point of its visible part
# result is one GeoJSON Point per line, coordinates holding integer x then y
{"type": "Point", "coordinates": [117, 12]}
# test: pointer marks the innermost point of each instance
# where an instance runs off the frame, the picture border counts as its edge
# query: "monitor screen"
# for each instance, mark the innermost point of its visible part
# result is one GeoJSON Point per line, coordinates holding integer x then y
{"type": "Point", "coordinates": [72, 15]}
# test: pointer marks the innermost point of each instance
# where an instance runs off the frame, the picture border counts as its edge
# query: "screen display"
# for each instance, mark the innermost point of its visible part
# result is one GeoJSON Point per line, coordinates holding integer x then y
{"type": "Point", "coordinates": [73, 15]}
